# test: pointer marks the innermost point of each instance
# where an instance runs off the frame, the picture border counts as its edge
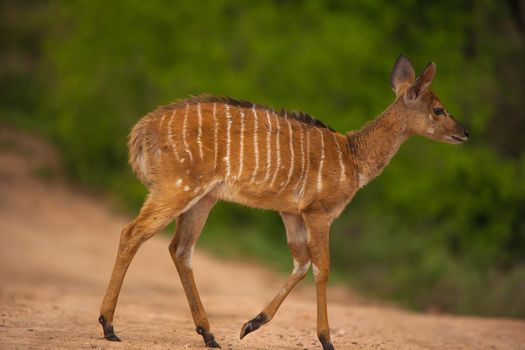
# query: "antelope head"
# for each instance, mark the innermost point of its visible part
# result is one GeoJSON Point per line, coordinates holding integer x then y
{"type": "Point", "coordinates": [424, 113]}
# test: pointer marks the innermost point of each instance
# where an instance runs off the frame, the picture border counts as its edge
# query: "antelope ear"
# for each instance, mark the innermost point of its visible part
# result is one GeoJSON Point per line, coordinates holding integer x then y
{"type": "Point", "coordinates": [403, 75]}
{"type": "Point", "coordinates": [422, 84]}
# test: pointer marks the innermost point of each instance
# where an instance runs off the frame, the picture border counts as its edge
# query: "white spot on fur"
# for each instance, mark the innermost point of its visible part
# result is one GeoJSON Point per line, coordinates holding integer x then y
{"type": "Point", "coordinates": [178, 182]}
{"type": "Point", "coordinates": [431, 130]}
{"type": "Point", "coordinates": [186, 254]}
{"type": "Point", "coordinates": [363, 180]}
{"type": "Point", "coordinates": [181, 249]}
{"type": "Point", "coordinates": [315, 270]}
{"type": "Point", "coordinates": [300, 269]}
{"type": "Point", "coordinates": [197, 197]}
{"type": "Point", "coordinates": [143, 164]}
{"type": "Point", "coordinates": [186, 188]}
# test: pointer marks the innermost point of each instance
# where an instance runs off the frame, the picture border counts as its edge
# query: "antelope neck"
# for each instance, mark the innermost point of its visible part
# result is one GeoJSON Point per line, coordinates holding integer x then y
{"type": "Point", "coordinates": [373, 146]}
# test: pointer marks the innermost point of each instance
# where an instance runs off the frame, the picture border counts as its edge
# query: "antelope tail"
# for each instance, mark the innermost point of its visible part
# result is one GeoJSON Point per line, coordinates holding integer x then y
{"type": "Point", "coordinates": [138, 145]}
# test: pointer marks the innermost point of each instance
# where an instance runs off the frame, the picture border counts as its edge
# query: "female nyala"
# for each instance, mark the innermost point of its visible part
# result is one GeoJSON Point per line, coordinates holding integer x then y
{"type": "Point", "coordinates": [192, 153]}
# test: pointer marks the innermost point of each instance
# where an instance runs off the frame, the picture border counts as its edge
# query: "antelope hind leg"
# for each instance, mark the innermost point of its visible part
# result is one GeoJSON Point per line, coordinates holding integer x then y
{"type": "Point", "coordinates": [296, 237]}
{"type": "Point", "coordinates": [155, 214]}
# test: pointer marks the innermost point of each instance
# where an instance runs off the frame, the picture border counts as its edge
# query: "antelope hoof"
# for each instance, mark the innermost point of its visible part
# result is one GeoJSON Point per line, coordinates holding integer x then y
{"type": "Point", "coordinates": [253, 324]}
{"type": "Point", "coordinates": [208, 338]}
{"type": "Point", "coordinates": [109, 332]}
{"type": "Point", "coordinates": [327, 344]}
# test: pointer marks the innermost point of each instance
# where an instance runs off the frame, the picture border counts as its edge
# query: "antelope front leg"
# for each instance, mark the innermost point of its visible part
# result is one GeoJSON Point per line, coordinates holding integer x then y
{"type": "Point", "coordinates": [318, 233]}
{"type": "Point", "coordinates": [189, 227]}
{"type": "Point", "coordinates": [296, 236]}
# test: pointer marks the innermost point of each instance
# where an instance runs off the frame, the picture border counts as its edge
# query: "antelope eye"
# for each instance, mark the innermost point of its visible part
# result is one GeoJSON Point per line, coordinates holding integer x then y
{"type": "Point", "coordinates": [439, 111]}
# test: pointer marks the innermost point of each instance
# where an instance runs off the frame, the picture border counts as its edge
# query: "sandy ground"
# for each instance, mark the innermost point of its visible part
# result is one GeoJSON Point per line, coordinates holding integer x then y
{"type": "Point", "coordinates": [57, 251]}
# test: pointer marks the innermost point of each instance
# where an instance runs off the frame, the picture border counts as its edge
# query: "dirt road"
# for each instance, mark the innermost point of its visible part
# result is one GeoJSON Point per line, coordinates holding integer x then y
{"type": "Point", "coordinates": [56, 253]}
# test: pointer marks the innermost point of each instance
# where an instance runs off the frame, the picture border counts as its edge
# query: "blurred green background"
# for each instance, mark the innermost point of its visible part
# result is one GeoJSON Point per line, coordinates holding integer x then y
{"type": "Point", "coordinates": [443, 228]}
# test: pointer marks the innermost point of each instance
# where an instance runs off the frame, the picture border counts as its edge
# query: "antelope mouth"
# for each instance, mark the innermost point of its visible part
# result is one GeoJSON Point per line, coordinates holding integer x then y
{"type": "Point", "coordinates": [457, 139]}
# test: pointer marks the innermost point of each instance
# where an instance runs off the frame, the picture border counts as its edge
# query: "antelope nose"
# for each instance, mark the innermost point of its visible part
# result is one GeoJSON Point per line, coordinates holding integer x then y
{"type": "Point", "coordinates": [466, 132]}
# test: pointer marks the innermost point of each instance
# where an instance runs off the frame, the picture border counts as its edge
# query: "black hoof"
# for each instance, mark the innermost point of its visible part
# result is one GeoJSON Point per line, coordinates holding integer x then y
{"type": "Point", "coordinates": [109, 332]}
{"type": "Point", "coordinates": [253, 324]}
{"type": "Point", "coordinates": [208, 338]}
{"type": "Point", "coordinates": [112, 337]}
{"type": "Point", "coordinates": [212, 344]}
{"type": "Point", "coordinates": [327, 344]}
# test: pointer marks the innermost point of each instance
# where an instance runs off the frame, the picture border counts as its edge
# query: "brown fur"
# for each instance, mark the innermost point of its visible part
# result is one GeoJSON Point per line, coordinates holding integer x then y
{"type": "Point", "coordinates": [194, 152]}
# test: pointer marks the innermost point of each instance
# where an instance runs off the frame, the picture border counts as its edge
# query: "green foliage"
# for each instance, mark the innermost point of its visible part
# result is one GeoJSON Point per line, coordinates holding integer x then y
{"type": "Point", "coordinates": [452, 241]}
{"type": "Point", "coordinates": [441, 228]}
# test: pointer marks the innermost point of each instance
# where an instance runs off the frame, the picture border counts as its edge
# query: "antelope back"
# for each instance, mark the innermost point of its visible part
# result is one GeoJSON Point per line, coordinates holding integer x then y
{"type": "Point", "coordinates": [258, 154]}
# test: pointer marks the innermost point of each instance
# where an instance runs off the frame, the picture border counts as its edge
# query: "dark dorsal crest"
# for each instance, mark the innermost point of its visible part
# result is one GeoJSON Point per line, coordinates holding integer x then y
{"type": "Point", "coordinates": [206, 98]}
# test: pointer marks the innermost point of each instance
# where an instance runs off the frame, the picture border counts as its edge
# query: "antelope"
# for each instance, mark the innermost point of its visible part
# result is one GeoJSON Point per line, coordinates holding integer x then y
{"type": "Point", "coordinates": [194, 152]}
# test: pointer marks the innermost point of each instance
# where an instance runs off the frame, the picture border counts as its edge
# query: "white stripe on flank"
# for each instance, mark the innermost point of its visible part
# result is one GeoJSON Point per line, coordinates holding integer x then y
{"type": "Point", "coordinates": [302, 154]}
{"type": "Point", "coordinates": [161, 122]}
{"type": "Point", "coordinates": [320, 173]}
{"type": "Point", "coordinates": [161, 136]}
{"type": "Point", "coordinates": [228, 132]}
{"type": "Point", "coordinates": [342, 174]}
{"type": "Point", "coordinates": [216, 136]}
{"type": "Point", "coordinates": [241, 144]}
{"type": "Point", "coordinates": [160, 129]}
{"type": "Point", "coordinates": [170, 135]}
{"type": "Point", "coordinates": [292, 156]}
{"type": "Point", "coordinates": [199, 133]}
{"type": "Point", "coordinates": [255, 144]}
{"type": "Point", "coordinates": [268, 147]}
{"type": "Point", "coordinates": [307, 162]}
{"type": "Point", "coordinates": [184, 125]}
{"type": "Point", "coordinates": [277, 150]}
